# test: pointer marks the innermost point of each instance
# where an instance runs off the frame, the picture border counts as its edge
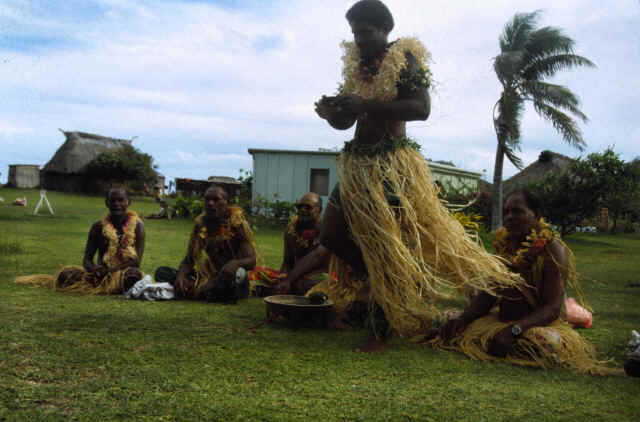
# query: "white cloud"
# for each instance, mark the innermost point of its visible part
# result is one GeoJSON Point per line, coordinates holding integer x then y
{"type": "Point", "coordinates": [211, 82]}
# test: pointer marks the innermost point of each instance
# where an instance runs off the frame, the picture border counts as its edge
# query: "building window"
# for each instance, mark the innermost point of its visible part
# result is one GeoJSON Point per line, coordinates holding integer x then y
{"type": "Point", "coordinates": [319, 181]}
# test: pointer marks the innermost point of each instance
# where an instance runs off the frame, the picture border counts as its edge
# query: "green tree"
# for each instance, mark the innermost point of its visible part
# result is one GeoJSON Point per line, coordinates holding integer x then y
{"type": "Point", "coordinates": [568, 198]}
{"type": "Point", "coordinates": [616, 182]}
{"type": "Point", "coordinates": [527, 57]}
{"type": "Point", "coordinates": [122, 164]}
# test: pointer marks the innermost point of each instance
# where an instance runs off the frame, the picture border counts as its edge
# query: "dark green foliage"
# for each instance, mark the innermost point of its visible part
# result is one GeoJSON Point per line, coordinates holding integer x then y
{"type": "Point", "coordinates": [600, 180]}
{"type": "Point", "coordinates": [567, 200]}
{"type": "Point", "coordinates": [414, 79]}
{"type": "Point", "coordinates": [186, 207]}
{"type": "Point", "coordinates": [124, 164]}
{"type": "Point", "coordinates": [244, 197]}
{"type": "Point", "coordinates": [276, 209]}
{"type": "Point", "coordinates": [616, 182]}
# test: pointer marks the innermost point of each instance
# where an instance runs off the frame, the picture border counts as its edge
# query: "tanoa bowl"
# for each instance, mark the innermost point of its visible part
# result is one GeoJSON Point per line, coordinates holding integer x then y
{"type": "Point", "coordinates": [298, 311]}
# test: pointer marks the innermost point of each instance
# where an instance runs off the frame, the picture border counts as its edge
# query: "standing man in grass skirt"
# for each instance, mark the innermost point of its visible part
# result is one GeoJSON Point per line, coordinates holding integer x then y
{"type": "Point", "coordinates": [384, 222]}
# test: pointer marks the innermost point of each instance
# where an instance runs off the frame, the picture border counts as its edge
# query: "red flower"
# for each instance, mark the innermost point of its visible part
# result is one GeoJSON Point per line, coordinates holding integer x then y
{"type": "Point", "coordinates": [224, 231]}
{"type": "Point", "coordinates": [539, 245]}
{"type": "Point", "coordinates": [308, 234]}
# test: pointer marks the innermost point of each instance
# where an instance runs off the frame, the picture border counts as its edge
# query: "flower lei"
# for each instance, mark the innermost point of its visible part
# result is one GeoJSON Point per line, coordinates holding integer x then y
{"type": "Point", "coordinates": [223, 234]}
{"type": "Point", "coordinates": [382, 85]}
{"type": "Point", "coordinates": [121, 247]}
{"type": "Point", "coordinates": [306, 238]}
{"type": "Point", "coordinates": [532, 248]}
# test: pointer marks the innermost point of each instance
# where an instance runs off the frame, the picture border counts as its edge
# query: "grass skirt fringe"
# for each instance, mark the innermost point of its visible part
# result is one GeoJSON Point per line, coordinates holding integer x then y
{"type": "Point", "coordinates": [415, 252]}
{"type": "Point", "coordinates": [40, 280]}
{"type": "Point", "coordinates": [75, 279]}
{"type": "Point", "coordinates": [556, 344]}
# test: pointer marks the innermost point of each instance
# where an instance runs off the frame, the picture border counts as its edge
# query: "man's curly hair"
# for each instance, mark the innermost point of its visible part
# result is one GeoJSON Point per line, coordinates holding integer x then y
{"type": "Point", "coordinates": [371, 11]}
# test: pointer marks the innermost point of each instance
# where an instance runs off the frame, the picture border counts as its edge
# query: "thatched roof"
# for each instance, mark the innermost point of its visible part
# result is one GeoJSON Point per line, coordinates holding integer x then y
{"type": "Point", "coordinates": [548, 162]}
{"type": "Point", "coordinates": [79, 149]}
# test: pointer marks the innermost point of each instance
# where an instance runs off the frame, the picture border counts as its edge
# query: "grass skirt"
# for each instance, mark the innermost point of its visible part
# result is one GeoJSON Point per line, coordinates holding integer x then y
{"type": "Point", "coordinates": [555, 344]}
{"type": "Point", "coordinates": [75, 279]}
{"type": "Point", "coordinates": [415, 252]}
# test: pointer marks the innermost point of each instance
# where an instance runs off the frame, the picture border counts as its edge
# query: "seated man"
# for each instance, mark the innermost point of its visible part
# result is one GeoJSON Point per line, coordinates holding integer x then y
{"type": "Point", "coordinates": [300, 238]}
{"type": "Point", "coordinates": [221, 244]}
{"type": "Point", "coordinates": [529, 326]}
{"type": "Point", "coordinates": [163, 212]}
{"type": "Point", "coordinates": [118, 239]}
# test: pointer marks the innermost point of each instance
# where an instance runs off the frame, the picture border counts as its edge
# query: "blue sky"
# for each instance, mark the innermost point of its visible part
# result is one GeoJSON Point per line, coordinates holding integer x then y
{"type": "Point", "coordinates": [197, 83]}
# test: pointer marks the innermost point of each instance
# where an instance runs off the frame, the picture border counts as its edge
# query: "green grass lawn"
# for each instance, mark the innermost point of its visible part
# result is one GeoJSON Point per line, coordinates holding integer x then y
{"type": "Point", "coordinates": [74, 357]}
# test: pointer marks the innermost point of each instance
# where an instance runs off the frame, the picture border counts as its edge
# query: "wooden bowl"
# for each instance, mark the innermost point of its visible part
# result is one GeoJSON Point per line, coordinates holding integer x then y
{"type": "Point", "coordinates": [298, 311]}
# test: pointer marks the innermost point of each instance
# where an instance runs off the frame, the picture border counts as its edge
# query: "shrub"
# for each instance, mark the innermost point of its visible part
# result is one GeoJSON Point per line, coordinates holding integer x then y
{"type": "Point", "coordinates": [123, 164]}
{"type": "Point", "coordinates": [186, 207]}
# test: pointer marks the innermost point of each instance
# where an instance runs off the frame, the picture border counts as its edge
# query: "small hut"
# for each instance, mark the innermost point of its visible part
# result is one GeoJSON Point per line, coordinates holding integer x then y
{"type": "Point", "coordinates": [24, 176]}
{"type": "Point", "coordinates": [189, 187]}
{"type": "Point", "coordinates": [66, 169]}
{"type": "Point", "coordinates": [548, 162]}
{"type": "Point", "coordinates": [230, 184]}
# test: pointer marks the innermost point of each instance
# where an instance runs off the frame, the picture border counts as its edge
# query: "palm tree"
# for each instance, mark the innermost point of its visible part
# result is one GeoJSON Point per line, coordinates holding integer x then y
{"type": "Point", "coordinates": [528, 56]}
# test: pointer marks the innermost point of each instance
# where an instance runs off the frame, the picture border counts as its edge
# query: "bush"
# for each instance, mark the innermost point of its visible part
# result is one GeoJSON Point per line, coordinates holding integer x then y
{"type": "Point", "coordinates": [480, 207]}
{"type": "Point", "coordinates": [276, 209]}
{"type": "Point", "coordinates": [123, 164]}
{"type": "Point", "coordinates": [186, 207]}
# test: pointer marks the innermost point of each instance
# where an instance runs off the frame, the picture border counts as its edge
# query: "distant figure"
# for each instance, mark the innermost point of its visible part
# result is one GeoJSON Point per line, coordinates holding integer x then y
{"type": "Point", "coordinates": [163, 212]}
{"type": "Point", "coordinates": [301, 237]}
{"type": "Point", "coordinates": [119, 241]}
{"type": "Point", "coordinates": [221, 250]}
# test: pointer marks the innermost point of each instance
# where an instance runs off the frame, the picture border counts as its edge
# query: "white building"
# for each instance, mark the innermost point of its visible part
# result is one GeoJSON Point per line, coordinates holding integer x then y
{"type": "Point", "coordinates": [289, 174]}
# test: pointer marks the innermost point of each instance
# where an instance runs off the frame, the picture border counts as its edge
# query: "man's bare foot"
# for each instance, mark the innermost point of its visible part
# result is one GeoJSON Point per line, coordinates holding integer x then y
{"type": "Point", "coordinates": [372, 345]}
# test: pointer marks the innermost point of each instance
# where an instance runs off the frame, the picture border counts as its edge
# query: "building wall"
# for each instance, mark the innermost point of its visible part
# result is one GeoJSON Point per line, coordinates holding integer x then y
{"type": "Point", "coordinates": [24, 176]}
{"type": "Point", "coordinates": [456, 181]}
{"type": "Point", "coordinates": [289, 174]}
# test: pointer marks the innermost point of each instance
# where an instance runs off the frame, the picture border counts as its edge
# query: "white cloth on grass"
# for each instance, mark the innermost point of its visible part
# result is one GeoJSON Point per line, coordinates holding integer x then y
{"type": "Point", "coordinates": [146, 289]}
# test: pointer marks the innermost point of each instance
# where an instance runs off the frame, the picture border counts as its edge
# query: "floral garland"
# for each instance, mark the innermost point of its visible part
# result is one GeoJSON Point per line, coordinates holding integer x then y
{"type": "Point", "coordinates": [383, 84]}
{"type": "Point", "coordinates": [223, 234]}
{"type": "Point", "coordinates": [306, 238]}
{"type": "Point", "coordinates": [121, 247]}
{"type": "Point", "coordinates": [201, 238]}
{"type": "Point", "coordinates": [532, 248]}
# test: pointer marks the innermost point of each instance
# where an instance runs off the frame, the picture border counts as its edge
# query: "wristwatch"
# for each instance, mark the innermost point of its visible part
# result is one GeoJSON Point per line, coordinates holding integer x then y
{"type": "Point", "coordinates": [516, 330]}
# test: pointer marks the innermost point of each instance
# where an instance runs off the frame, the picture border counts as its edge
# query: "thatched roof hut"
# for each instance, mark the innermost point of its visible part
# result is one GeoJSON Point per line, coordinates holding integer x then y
{"type": "Point", "coordinates": [65, 171]}
{"type": "Point", "coordinates": [548, 162]}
